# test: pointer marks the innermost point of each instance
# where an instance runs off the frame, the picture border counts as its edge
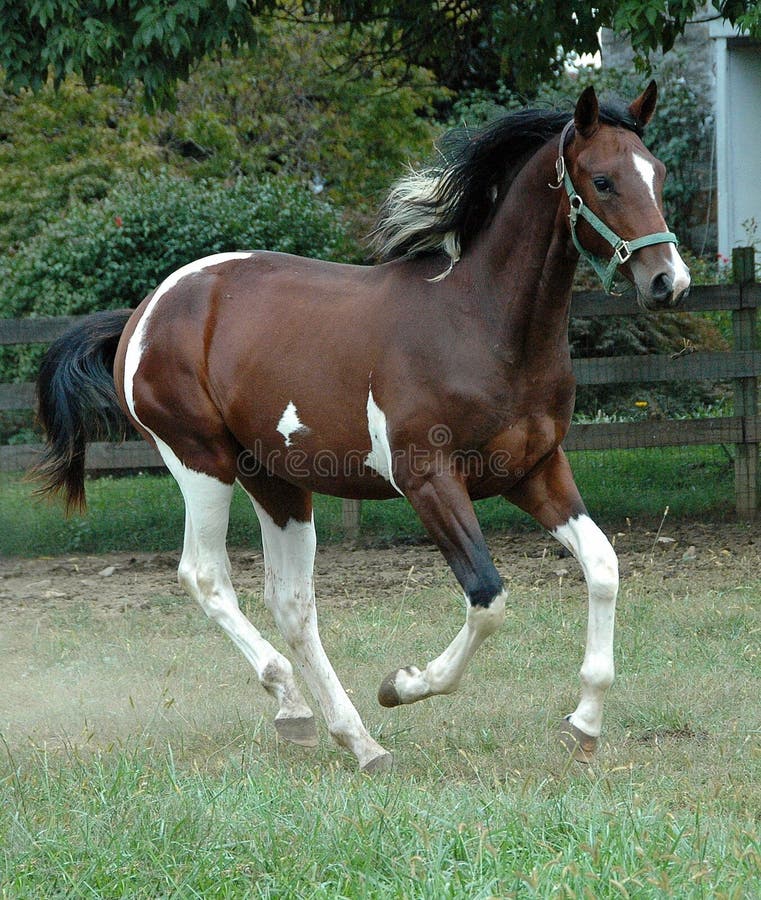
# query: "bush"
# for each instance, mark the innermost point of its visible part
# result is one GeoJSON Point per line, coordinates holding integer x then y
{"type": "Point", "coordinates": [112, 253]}
{"type": "Point", "coordinates": [285, 107]}
{"type": "Point", "coordinates": [59, 146]}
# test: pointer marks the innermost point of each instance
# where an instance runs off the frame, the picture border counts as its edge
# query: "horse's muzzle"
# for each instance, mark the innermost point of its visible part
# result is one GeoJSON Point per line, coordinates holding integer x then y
{"type": "Point", "coordinates": [665, 290]}
{"type": "Point", "coordinates": [665, 293]}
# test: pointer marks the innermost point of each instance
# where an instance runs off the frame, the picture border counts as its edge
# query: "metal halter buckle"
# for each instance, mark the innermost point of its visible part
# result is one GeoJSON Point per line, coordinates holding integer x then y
{"type": "Point", "coordinates": [576, 204]}
{"type": "Point", "coordinates": [622, 248]}
{"type": "Point", "coordinates": [560, 168]}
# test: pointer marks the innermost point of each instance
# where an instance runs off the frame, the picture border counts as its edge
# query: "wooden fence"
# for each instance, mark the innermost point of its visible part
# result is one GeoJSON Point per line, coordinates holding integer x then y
{"type": "Point", "coordinates": [741, 365]}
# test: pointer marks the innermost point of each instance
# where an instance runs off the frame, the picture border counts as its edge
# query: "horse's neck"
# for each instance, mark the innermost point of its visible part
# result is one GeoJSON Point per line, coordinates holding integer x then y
{"type": "Point", "coordinates": [525, 252]}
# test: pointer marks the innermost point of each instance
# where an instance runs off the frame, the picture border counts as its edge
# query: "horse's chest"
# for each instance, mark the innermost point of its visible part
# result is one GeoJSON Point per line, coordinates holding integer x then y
{"type": "Point", "coordinates": [517, 450]}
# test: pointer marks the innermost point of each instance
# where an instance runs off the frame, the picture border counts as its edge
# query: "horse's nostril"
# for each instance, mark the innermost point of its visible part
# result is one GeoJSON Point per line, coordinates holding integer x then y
{"type": "Point", "coordinates": [682, 295]}
{"type": "Point", "coordinates": [661, 287]}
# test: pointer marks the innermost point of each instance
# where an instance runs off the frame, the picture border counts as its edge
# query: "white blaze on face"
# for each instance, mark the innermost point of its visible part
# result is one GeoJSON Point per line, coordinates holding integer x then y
{"type": "Point", "coordinates": [379, 457]}
{"type": "Point", "coordinates": [680, 274]}
{"type": "Point", "coordinates": [646, 171]}
{"type": "Point", "coordinates": [136, 343]}
{"type": "Point", "coordinates": [290, 424]}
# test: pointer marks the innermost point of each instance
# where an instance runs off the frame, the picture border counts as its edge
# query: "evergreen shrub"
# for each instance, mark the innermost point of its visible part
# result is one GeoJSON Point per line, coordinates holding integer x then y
{"type": "Point", "coordinates": [111, 253]}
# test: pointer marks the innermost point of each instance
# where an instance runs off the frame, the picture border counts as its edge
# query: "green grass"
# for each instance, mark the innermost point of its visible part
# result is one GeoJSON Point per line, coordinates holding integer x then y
{"type": "Point", "coordinates": [148, 767]}
{"type": "Point", "coordinates": [145, 512]}
{"type": "Point", "coordinates": [141, 827]}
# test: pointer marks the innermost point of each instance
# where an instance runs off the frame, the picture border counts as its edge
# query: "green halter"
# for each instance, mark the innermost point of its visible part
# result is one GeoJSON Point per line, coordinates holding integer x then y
{"type": "Point", "coordinates": [622, 250]}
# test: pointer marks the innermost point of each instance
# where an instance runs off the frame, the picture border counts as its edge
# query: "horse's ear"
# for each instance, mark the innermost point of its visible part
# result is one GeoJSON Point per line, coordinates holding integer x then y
{"type": "Point", "coordinates": [644, 106]}
{"type": "Point", "coordinates": [585, 117]}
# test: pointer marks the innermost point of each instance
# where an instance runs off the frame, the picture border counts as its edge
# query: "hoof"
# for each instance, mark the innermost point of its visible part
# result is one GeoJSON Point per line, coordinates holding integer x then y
{"type": "Point", "coordinates": [387, 693]}
{"type": "Point", "coordinates": [300, 730]}
{"type": "Point", "coordinates": [379, 764]}
{"type": "Point", "coordinates": [579, 745]}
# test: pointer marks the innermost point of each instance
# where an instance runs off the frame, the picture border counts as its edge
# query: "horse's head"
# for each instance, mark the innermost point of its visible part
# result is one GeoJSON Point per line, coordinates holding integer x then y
{"type": "Point", "coordinates": [614, 187]}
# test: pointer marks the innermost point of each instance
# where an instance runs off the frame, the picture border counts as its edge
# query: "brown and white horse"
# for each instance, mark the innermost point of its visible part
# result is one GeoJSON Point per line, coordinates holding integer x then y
{"type": "Point", "coordinates": [443, 375]}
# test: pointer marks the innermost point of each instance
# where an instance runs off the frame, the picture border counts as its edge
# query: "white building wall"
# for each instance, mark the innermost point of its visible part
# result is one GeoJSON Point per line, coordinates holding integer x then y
{"type": "Point", "coordinates": [738, 138]}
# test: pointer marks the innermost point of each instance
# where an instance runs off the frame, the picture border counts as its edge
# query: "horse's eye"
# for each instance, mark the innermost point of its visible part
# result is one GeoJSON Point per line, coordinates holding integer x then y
{"type": "Point", "coordinates": [603, 185]}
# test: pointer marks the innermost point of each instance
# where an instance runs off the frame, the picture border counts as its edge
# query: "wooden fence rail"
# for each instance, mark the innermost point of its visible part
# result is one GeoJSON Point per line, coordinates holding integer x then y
{"type": "Point", "coordinates": [741, 365]}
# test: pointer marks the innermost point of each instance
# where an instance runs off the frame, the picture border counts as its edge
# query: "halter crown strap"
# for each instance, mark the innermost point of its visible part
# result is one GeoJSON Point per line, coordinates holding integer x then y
{"type": "Point", "coordinates": [622, 250]}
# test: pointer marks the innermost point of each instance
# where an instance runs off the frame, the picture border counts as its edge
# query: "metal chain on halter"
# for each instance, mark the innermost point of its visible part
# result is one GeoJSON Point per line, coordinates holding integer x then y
{"type": "Point", "coordinates": [622, 250]}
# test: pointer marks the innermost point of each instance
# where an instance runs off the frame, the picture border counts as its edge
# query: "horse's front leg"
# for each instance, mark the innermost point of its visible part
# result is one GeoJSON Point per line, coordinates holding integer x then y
{"type": "Point", "coordinates": [552, 498]}
{"type": "Point", "coordinates": [443, 504]}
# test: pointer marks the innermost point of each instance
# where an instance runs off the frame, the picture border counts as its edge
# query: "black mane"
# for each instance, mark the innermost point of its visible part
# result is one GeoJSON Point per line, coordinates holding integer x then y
{"type": "Point", "coordinates": [444, 206]}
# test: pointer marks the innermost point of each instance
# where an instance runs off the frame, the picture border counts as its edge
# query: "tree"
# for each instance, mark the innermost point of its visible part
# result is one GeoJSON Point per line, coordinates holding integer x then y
{"type": "Point", "coordinates": [275, 110]}
{"type": "Point", "coordinates": [465, 44]}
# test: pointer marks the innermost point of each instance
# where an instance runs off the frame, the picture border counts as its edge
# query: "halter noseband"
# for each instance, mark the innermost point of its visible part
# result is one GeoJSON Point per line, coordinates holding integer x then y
{"type": "Point", "coordinates": [622, 250]}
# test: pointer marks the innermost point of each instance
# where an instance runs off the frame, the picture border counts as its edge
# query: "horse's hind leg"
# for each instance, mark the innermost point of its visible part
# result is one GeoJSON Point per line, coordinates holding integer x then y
{"type": "Point", "coordinates": [288, 536]}
{"type": "Point", "coordinates": [204, 572]}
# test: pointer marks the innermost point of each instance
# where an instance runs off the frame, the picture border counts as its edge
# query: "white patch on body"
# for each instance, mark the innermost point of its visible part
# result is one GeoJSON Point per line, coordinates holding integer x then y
{"type": "Point", "coordinates": [290, 424]}
{"type": "Point", "coordinates": [646, 172]}
{"type": "Point", "coordinates": [379, 457]}
{"type": "Point", "coordinates": [136, 343]}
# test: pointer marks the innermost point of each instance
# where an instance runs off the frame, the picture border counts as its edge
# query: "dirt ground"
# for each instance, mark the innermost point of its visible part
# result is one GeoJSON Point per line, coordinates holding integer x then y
{"type": "Point", "coordinates": [102, 649]}
{"type": "Point", "coordinates": [345, 575]}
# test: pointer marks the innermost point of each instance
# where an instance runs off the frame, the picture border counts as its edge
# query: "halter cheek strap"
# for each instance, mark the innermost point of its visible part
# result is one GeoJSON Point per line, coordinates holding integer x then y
{"type": "Point", "coordinates": [622, 250]}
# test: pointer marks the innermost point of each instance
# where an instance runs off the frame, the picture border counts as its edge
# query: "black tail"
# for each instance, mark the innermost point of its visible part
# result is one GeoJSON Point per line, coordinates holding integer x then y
{"type": "Point", "coordinates": [77, 401]}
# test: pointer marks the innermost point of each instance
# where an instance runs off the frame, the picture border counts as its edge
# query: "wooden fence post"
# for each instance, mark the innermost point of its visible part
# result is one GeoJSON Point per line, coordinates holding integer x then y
{"type": "Point", "coordinates": [351, 517]}
{"type": "Point", "coordinates": [746, 389]}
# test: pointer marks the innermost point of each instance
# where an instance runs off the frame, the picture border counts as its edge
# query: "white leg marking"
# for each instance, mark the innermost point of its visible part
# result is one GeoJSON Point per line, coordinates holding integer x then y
{"type": "Point", "coordinates": [289, 563]}
{"type": "Point", "coordinates": [646, 171]}
{"type": "Point", "coordinates": [443, 674]}
{"type": "Point", "coordinates": [598, 560]}
{"type": "Point", "coordinates": [379, 457]}
{"type": "Point", "coordinates": [290, 424]}
{"type": "Point", "coordinates": [137, 341]}
{"type": "Point", "coordinates": [204, 573]}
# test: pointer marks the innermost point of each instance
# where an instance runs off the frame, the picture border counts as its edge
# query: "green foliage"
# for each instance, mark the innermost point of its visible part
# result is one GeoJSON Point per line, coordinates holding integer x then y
{"type": "Point", "coordinates": [117, 42]}
{"type": "Point", "coordinates": [60, 146]}
{"type": "Point", "coordinates": [284, 108]}
{"type": "Point", "coordinates": [110, 254]}
{"type": "Point", "coordinates": [465, 44]}
{"type": "Point", "coordinates": [654, 25]}
{"type": "Point", "coordinates": [281, 109]}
